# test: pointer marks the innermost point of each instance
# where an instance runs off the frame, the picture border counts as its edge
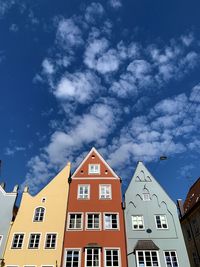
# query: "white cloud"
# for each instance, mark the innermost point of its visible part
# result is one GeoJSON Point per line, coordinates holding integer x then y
{"type": "Point", "coordinates": [79, 87]}
{"type": "Point", "coordinates": [11, 151]}
{"type": "Point", "coordinates": [13, 28]}
{"type": "Point", "coordinates": [5, 5]}
{"type": "Point", "coordinates": [115, 3]}
{"type": "Point", "coordinates": [48, 67]}
{"type": "Point", "coordinates": [93, 12]}
{"type": "Point", "coordinates": [68, 34]}
{"type": "Point", "coordinates": [195, 94]}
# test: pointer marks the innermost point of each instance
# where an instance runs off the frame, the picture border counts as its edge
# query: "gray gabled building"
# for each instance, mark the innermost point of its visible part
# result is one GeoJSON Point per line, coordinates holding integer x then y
{"type": "Point", "coordinates": [7, 212]}
{"type": "Point", "coordinates": [154, 236]}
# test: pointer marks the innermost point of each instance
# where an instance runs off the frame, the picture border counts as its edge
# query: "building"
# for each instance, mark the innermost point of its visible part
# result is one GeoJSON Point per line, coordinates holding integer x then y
{"type": "Point", "coordinates": [36, 236]}
{"type": "Point", "coordinates": [190, 222]}
{"type": "Point", "coordinates": [7, 214]}
{"type": "Point", "coordinates": [95, 234]}
{"type": "Point", "coordinates": [153, 231]}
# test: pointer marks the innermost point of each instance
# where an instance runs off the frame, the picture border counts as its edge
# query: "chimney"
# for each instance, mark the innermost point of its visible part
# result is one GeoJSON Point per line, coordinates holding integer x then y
{"type": "Point", "coordinates": [180, 207]}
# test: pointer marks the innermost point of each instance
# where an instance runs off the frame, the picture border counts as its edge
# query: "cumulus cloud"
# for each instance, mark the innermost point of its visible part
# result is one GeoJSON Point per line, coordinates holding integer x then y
{"type": "Point", "coordinates": [78, 87]}
{"type": "Point", "coordinates": [93, 12]}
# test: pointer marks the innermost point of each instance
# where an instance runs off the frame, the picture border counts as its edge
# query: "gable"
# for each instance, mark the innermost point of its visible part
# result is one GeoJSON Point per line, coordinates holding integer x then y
{"type": "Point", "coordinates": [94, 158]}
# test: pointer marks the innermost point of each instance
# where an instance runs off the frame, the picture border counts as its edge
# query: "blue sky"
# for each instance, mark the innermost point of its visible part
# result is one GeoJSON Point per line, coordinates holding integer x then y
{"type": "Point", "coordinates": [122, 76]}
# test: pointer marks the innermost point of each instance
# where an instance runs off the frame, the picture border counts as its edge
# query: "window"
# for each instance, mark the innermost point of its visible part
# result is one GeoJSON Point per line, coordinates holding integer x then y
{"type": "Point", "coordinates": [93, 221]}
{"type": "Point", "coordinates": [92, 257]}
{"type": "Point", "coordinates": [105, 191]}
{"type": "Point", "coordinates": [72, 258]}
{"type": "Point", "coordinates": [147, 258]}
{"type": "Point", "coordinates": [171, 259]}
{"type": "Point", "coordinates": [112, 258]}
{"type": "Point", "coordinates": [17, 241]}
{"type": "Point", "coordinates": [161, 222]}
{"type": "Point", "coordinates": [137, 222]}
{"type": "Point", "coordinates": [110, 221]}
{"type": "Point", "coordinates": [146, 196]}
{"type": "Point", "coordinates": [188, 234]}
{"type": "Point", "coordinates": [94, 169]}
{"type": "Point", "coordinates": [83, 192]}
{"type": "Point", "coordinates": [195, 259]}
{"type": "Point", "coordinates": [75, 221]}
{"type": "Point", "coordinates": [39, 214]}
{"type": "Point", "coordinates": [34, 241]}
{"type": "Point", "coordinates": [50, 241]}
{"type": "Point", "coordinates": [1, 238]}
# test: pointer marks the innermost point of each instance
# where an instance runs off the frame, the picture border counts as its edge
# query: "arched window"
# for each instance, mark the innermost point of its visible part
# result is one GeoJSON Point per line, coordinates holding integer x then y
{"type": "Point", "coordinates": [39, 214]}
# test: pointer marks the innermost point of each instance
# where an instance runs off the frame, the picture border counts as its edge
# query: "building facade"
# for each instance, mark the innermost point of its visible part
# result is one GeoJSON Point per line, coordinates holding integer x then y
{"type": "Point", "coordinates": [36, 236]}
{"type": "Point", "coordinates": [153, 231]}
{"type": "Point", "coordinates": [95, 234]}
{"type": "Point", "coordinates": [190, 223]}
{"type": "Point", "coordinates": [7, 209]}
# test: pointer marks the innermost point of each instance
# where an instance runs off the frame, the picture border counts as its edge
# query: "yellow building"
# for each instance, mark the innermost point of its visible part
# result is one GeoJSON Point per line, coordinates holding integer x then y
{"type": "Point", "coordinates": [36, 236]}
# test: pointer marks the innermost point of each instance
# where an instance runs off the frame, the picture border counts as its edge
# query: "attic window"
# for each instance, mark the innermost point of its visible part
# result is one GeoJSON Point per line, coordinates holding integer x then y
{"type": "Point", "coordinates": [81, 171]}
{"type": "Point", "coordinates": [106, 171]}
{"type": "Point", "coordinates": [93, 156]}
{"type": "Point", "coordinates": [94, 169]}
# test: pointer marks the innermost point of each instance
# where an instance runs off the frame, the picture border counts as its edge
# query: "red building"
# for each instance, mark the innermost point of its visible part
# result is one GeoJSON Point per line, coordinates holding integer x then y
{"type": "Point", "coordinates": [95, 234]}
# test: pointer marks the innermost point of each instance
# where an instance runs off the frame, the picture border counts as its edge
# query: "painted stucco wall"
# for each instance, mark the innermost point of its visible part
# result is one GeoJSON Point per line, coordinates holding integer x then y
{"type": "Point", "coordinates": [56, 195]}
{"type": "Point", "coordinates": [7, 201]}
{"type": "Point", "coordinates": [159, 204]}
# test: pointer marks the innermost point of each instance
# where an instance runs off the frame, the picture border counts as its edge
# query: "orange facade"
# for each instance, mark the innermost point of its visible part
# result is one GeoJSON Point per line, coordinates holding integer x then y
{"type": "Point", "coordinates": [95, 233]}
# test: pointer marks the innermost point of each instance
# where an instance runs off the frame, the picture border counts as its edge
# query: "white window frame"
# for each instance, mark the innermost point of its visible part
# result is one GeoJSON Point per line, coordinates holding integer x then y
{"type": "Point", "coordinates": [96, 170]}
{"type": "Point", "coordinates": [79, 195]}
{"type": "Point", "coordinates": [107, 197]}
{"type": "Point", "coordinates": [18, 240]}
{"type": "Point", "coordinates": [1, 238]}
{"type": "Point", "coordinates": [29, 265]}
{"type": "Point", "coordinates": [34, 241]}
{"type": "Point", "coordinates": [171, 261]}
{"type": "Point", "coordinates": [51, 241]}
{"type": "Point", "coordinates": [144, 251]}
{"type": "Point", "coordinates": [137, 217]}
{"type": "Point", "coordinates": [119, 257]}
{"type": "Point", "coordinates": [86, 220]}
{"type": "Point", "coordinates": [68, 223]}
{"type": "Point", "coordinates": [161, 228]}
{"type": "Point", "coordinates": [72, 249]}
{"type": "Point", "coordinates": [99, 254]}
{"type": "Point", "coordinates": [40, 214]}
{"type": "Point", "coordinates": [111, 213]}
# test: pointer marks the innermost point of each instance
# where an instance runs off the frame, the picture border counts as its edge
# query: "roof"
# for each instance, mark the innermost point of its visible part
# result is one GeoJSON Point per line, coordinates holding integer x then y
{"type": "Point", "coordinates": [146, 245]}
{"type": "Point", "coordinates": [193, 196]}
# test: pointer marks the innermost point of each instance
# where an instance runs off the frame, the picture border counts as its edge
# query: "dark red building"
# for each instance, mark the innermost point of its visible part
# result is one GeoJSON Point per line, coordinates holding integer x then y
{"type": "Point", "coordinates": [95, 234]}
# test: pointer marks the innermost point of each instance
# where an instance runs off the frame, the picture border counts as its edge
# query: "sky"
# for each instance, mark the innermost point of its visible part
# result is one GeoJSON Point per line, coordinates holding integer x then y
{"type": "Point", "coordinates": [119, 75]}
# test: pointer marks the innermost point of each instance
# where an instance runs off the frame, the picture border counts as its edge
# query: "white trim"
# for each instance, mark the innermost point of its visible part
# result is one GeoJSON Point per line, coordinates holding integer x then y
{"type": "Point", "coordinates": [118, 222]}
{"type": "Point", "coordinates": [47, 265]}
{"type": "Point", "coordinates": [11, 194]}
{"type": "Point", "coordinates": [170, 256]}
{"type": "Point", "coordinates": [162, 228]}
{"type": "Point", "coordinates": [112, 248]}
{"type": "Point", "coordinates": [110, 198]}
{"type": "Point", "coordinates": [17, 233]}
{"type": "Point", "coordinates": [50, 233]}
{"type": "Point", "coordinates": [43, 216]}
{"type": "Point", "coordinates": [65, 252]}
{"type": "Point", "coordinates": [29, 265]}
{"type": "Point", "coordinates": [101, 158]}
{"type": "Point", "coordinates": [79, 185]}
{"type": "Point", "coordinates": [12, 265]}
{"type": "Point", "coordinates": [68, 221]}
{"type": "Point", "coordinates": [99, 250]}
{"type": "Point", "coordinates": [86, 221]}
{"type": "Point", "coordinates": [34, 233]}
{"type": "Point", "coordinates": [1, 238]}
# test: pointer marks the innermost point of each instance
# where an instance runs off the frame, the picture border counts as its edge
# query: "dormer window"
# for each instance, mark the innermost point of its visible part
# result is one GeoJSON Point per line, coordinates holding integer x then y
{"type": "Point", "coordinates": [94, 169]}
{"type": "Point", "coordinates": [39, 214]}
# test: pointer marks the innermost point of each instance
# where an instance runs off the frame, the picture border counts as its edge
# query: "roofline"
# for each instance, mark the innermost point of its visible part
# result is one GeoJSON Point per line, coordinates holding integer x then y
{"type": "Point", "coordinates": [83, 161]}
{"type": "Point", "coordinates": [190, 211]}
